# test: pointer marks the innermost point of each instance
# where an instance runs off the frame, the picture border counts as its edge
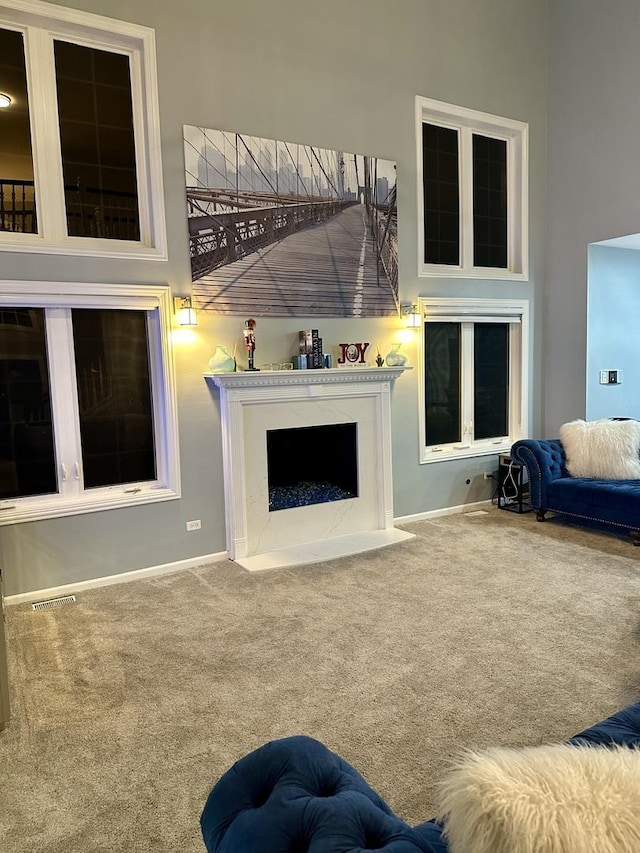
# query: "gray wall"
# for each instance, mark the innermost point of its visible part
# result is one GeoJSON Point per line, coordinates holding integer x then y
{"type": "Point", "coordinates": [340, 74]}
{"type": "Point", "coordinates": [593, 166]}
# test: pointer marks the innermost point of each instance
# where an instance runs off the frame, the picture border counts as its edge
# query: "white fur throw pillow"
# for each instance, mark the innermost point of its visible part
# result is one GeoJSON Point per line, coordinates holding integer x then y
{"type": "Point", "coordinates": [548, 799]}
{"type": "Point", "coordinates": [606, 449]}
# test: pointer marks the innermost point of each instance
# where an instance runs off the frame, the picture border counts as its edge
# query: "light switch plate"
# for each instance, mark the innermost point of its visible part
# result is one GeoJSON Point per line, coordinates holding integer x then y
{"type": "Point", "coordinates": [610, 377]}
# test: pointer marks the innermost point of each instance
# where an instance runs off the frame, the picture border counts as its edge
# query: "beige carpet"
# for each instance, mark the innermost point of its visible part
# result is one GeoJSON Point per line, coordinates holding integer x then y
{"type": "Point", "coordinates": [484, 629]}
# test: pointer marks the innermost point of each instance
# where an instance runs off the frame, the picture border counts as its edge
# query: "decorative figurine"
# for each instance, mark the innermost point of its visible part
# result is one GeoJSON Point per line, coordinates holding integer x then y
{"type": "Point", "coordinates": [250, 342]}
{"type": "Point", "coordinates": [379, 359]}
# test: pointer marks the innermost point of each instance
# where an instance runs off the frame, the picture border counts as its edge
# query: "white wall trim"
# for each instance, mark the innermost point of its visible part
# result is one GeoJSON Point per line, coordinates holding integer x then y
{"type": "Point", "coordinates": [447, 510]}
{"type": "Point", "coordinates": [56, 296]}
{"type": "Point", "coordinates": [195, 562]}
{"type": "Point", "coordinates": [41, 24]}
{"type": "Point", "coordinates": [470, 309]}
{"type": "Point", "coordinates": [122, 577]}
{"type": "Point", "coordinates": [516, 134]}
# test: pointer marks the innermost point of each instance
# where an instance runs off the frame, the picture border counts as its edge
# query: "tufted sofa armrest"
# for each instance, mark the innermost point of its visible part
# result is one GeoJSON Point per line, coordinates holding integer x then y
{"type": "Point", "coordinates": [545, 461]}
{"type": "Point", "coordinates": [296, 796]}
{"type": "Point", "coordinates": [622, 728]}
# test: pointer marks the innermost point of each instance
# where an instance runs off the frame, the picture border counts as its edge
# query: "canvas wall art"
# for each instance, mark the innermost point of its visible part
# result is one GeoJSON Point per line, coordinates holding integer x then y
{"type": "Point", "coordinates": [284, 229]}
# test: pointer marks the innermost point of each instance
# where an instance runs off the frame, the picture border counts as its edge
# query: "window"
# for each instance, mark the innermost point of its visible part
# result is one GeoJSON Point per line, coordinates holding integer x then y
{"type": "Point", "coordinates": [87, 411]}
{"type": "Point", "coordinates": [473, 396]}
{"type": "Point", "coordinates": [472, 171]}
{"type": "Point", "coordinates": [80, 164]}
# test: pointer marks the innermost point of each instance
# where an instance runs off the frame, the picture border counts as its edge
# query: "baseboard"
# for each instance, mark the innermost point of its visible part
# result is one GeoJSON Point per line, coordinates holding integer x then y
{"type": "Point", "coordinates": [123, 577]}
{"type": "Point", "coordinates": [447, 510]}
{"type": "Point", "coordinates": [179, 565]}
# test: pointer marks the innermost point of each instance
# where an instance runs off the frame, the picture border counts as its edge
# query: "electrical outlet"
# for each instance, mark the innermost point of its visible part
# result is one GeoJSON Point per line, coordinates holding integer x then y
{"type": "Point", "coordinates": [487, 475]}
{"type": "Point", "coordinates": [194, 525]}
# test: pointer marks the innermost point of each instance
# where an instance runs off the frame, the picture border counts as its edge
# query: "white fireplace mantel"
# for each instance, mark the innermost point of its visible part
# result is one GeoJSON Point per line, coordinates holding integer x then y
{"type": "Point", "coordinates": [293, 378]}
{"type": "Point", "coordinates": [253, 402]}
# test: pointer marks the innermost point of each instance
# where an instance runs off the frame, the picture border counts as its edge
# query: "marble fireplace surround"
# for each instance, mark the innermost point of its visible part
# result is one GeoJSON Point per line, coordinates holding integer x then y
{"type": "Point", "coordinates": [254, 402]}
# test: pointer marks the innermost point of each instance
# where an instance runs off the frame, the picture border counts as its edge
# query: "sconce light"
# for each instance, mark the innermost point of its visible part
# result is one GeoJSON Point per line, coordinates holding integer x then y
{"type": "Point", "coordinates": [5, 100]}
{"type": "Point", "coordinates": [411, 315]}
{"type": "Point", "coordinates": [184, 311]}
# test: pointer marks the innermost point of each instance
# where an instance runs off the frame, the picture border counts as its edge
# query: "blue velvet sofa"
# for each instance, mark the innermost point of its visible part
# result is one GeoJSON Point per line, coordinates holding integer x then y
{"type": "Point", "coordinates": [296, 796]}
{"type": "Point", "coordinates": [615, 503]}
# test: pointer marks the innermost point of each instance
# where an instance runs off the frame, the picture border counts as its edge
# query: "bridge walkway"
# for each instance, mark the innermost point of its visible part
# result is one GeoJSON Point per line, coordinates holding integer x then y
{"type": "Point", "coordinates": [328, 270]}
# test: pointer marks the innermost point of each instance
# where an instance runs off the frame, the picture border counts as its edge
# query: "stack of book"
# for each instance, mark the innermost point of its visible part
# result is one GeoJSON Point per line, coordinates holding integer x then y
{"type": "Point", "coordinates": [311, 347]}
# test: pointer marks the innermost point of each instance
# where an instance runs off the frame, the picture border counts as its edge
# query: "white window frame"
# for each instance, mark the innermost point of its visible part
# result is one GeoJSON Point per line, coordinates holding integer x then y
{"type": "Point", "coordinates": [72, 499]}
{"type": "Point", "coordinates": [467, 310]}
{"type": "Point", "coordinates": [516, 134]}
{"type": "Point", "coordinates": [41, 24]}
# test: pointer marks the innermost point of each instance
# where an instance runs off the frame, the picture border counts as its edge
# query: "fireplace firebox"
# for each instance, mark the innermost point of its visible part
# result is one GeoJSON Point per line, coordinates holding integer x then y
{"type": "Point", "coordinates": [312, 465]}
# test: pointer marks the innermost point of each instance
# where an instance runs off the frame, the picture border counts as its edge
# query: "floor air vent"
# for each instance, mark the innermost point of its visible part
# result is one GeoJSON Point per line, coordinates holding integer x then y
{"type": "Point", "coordinates": [53, 602]}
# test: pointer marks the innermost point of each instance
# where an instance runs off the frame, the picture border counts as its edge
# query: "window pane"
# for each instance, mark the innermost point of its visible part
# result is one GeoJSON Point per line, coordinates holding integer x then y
{"type": "Point", "coordinates": [489, 202]}
{"type": "Point", "coordinates": [96, 136]}
{"type": "Point", "coordinates": [491, 380]}
{"type": "Point", "coordinates": [27, 456]}
{"type": "Point", "coordinates": [441, 195]}
{"type": "Point", "coordinates": [114, 396]}
{"type": "Point", "coordinates": [17, 190]}
{"type": "Point", "coordinates": [442, 380]}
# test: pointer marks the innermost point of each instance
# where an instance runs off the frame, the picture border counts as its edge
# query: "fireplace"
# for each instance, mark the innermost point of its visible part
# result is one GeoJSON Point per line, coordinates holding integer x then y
{"type": "Point", "coordinates": [312, 465]}
{"type": "Point", "coordinates": [307, 463]}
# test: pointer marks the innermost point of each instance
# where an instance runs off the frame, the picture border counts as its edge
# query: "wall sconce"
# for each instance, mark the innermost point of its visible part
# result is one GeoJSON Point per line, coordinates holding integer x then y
{"type": "Point", "coordinates": [411, 315]}
{"type": "Point", "coordinates": [184, 311]}
{"type": "Point", "coordinates": [5, 100]}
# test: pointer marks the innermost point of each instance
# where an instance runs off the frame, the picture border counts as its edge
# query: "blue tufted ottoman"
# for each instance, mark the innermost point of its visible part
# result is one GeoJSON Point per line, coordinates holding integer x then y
{"type": "Point", "coordinates": [294, 795]}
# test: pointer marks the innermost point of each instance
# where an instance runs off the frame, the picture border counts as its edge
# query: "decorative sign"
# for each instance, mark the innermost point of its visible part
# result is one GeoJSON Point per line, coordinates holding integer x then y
{"type": "Point", "coordinates": [352, 353]}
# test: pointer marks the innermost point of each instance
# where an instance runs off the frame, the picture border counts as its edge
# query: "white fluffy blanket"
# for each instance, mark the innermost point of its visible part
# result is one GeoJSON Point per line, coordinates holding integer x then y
{"type": "Point", "coordinates": [549, 799]}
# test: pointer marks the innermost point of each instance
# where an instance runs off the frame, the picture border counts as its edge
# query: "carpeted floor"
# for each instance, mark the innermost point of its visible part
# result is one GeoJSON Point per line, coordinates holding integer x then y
{"type": "Point", "coordinates": [484, 629]}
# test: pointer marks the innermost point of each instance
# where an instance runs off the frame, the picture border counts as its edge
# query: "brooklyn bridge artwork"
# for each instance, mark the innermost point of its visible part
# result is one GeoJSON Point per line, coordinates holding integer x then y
{"type": "Point", "coordinates": [283, 229]}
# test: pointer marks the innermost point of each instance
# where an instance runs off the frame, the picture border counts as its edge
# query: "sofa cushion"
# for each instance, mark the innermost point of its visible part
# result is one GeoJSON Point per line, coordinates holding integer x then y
{"type": "Point", "coordinates": [605, 501]}
{"type": "Point", "coordinates": [605, 449]}
{"type": "Point", "coordinates": [550, 799]}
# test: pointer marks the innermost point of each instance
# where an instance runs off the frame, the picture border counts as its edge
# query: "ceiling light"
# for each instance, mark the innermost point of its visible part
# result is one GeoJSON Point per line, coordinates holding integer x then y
{"type": "Point", "coordinates": [5, 100]}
